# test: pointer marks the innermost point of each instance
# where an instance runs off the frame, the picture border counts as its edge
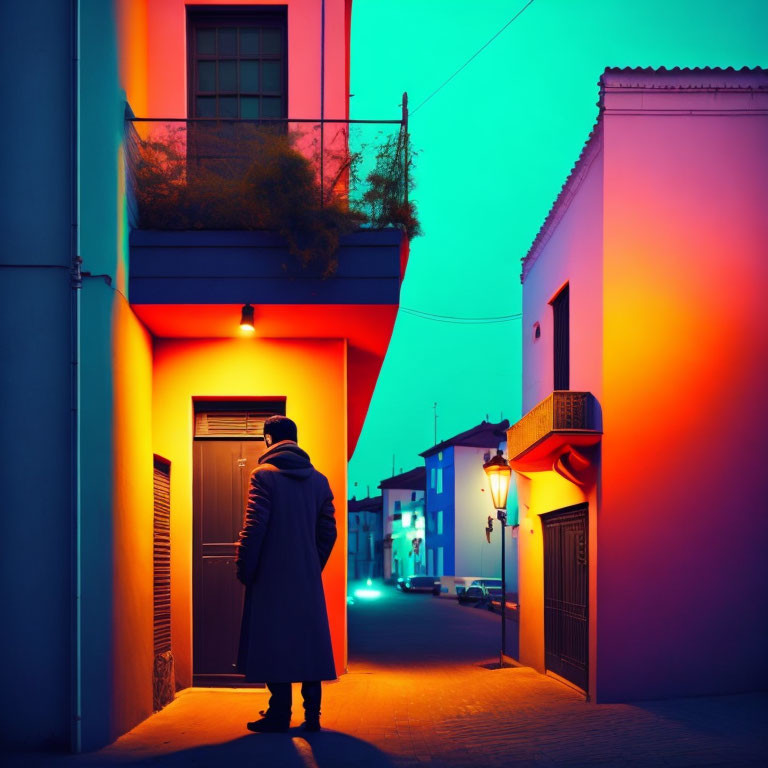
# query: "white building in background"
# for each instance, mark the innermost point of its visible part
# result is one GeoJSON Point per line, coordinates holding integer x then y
{"type": "Point", "coordinates": [458, 504]}
{"type": "Point", "coordinates": [404, 524]}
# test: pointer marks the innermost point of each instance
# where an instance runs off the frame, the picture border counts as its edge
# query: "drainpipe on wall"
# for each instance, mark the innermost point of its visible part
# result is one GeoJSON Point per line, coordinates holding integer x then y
{"type": "Point", "coordinates": [75, 288]}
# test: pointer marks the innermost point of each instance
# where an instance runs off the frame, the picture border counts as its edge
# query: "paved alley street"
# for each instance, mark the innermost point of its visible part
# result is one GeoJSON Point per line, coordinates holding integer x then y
{"type": "Point", "coordinates": [420, 692]}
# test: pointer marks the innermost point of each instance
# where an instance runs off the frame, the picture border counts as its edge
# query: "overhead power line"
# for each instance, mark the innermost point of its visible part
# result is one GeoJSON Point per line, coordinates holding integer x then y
{"type": "Point", "coordinates": [459, 319]}
{"type": "Point", "coordinates": [473, 56]}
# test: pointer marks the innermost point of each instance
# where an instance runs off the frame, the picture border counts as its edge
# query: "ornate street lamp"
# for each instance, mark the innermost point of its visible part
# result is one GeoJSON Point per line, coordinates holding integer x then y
{"type": "Point", "coordinates": [499, 473]}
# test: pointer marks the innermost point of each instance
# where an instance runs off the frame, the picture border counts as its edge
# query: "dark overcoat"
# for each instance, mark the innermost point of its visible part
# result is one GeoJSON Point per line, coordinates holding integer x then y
{"type": "Point", "coordinates": [287, 537]}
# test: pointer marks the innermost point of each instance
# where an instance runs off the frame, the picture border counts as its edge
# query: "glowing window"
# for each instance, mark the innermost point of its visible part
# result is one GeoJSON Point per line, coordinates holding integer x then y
{"type": "Point", "coordinates": [439, 479]}
{"type": "Point", "coordinates": [237, 63]}
{"type": "Point", "coordinates": [432, 477]}
{"type": "Point", "coordinates": [440, 521]}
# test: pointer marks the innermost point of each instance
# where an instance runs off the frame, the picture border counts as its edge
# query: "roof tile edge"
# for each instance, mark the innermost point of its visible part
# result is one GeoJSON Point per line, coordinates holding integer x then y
{"type": "Point", "coordinates": [686, 78]}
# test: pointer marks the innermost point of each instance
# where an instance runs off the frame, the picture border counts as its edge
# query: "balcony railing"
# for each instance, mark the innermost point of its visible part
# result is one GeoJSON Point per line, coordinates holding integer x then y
{"type": "Point", "coordinates": [562, 412]}
{"type": "Point", "coordinates": [292, 176]}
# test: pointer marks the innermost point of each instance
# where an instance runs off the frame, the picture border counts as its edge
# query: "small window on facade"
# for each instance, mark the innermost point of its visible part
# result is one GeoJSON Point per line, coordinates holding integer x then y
{"type": "Point", "coordinates": [432, 477]}
{"type": "Point", "coordinates": [440, 521]}
{"type": "Point", "coordinates": [439, 479]}
{"type": "Point", "coordinates": [536, 331]}
{"type": "Point", "coordinates": [561, 338]}
{"type": "Point", "coordinates": [398, 506]}
{"type": "Point", "coordinates": [413, 495]}
{"type": "Point", "coordinates": [237, 63]}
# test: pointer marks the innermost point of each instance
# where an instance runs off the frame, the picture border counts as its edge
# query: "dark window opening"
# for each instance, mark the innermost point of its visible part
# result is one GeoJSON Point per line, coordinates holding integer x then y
{"type": "Point", "coordinates": [562, 341]}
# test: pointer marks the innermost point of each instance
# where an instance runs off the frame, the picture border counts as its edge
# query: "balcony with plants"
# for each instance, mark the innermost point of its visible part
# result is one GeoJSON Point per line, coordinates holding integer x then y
{"type": "Point", "coordinates": [275, 211]}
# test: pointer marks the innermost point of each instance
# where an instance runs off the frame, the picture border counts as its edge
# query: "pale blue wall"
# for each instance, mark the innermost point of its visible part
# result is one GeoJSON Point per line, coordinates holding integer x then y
{"type": "Point", "coordinates": [35, 395]}
{"type": "Point", "coordinates": [101, 119]}
{"type": "Point", "coordinates": [35, 455]}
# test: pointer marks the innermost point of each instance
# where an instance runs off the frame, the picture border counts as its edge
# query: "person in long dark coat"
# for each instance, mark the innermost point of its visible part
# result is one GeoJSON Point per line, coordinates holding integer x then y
{"type": "Point", "coordinates": [287, 538]}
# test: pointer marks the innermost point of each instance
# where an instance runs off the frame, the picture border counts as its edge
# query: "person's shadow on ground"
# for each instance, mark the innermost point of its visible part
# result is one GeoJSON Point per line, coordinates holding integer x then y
{"type": "Point", "coordinates": [295, 749]}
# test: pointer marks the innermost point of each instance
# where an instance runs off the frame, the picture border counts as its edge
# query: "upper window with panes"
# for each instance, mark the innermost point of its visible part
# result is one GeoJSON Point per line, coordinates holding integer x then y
{"type": "Point", "coordinates": [237, 63]}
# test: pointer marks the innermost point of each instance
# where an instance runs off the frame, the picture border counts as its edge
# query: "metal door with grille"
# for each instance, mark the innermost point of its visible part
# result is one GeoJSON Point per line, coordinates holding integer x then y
{"type": "Point", "coordinates": [566, 594]}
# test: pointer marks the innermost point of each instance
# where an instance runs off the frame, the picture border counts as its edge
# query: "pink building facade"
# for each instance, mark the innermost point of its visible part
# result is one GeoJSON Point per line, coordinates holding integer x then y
{"type": "Point", "coordinates": [638, 463]}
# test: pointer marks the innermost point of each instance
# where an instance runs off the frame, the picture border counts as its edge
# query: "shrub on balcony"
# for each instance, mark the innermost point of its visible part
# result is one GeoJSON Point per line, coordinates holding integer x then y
{"type": "Point", "coordinates": [240, 176]}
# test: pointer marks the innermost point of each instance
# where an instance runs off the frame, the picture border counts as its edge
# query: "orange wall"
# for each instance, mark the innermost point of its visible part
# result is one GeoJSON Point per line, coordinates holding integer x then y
{"type": "Point", "coordinates": [311, 375]}
{"type": "Point", "coordinates": [132, 613]}
{"type": "Point", "coordinates": [683, 530]}
{"type": "Point", "coordinates": [167, 57]}
{"type": "Point", "coordinates": [131, 17]}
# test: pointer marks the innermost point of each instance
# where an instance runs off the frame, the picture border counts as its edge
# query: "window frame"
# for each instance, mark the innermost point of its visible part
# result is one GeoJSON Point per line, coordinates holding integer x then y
{"type": "Point", "coordinates": [200, 16]}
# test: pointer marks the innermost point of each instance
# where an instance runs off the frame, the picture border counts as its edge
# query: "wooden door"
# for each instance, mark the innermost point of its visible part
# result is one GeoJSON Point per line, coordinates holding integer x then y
{"type": "Point", "coordinates": [222, 471]}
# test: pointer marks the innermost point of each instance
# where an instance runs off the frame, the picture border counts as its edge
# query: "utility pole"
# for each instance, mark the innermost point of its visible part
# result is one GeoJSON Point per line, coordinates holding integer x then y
{"type": "Point", "coordinates": [322, 102]}
{"type": "Point", "coordinates": [405, 146]}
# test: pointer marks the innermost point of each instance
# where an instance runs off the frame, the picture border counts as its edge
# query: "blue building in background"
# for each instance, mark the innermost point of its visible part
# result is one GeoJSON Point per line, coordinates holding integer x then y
{"type": "Point", "coordinates": [458, 504]}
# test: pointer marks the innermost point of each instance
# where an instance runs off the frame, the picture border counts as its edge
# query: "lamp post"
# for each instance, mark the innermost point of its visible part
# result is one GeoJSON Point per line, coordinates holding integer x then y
{"type": "Point", "coordinates": [499, 472]}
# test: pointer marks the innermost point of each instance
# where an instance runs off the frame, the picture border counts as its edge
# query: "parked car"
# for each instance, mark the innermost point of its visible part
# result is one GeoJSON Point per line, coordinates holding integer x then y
{"type": "Point", "coordinates": [489, 586]}
{"type": "Point", "coordinates": [471, 595]}
{"type": "Point", "coordinates": [464, 582]}
{"type": "Point", "coordinates": [481, 591]}
{"type": "Point", "coordinates": [419, 584]}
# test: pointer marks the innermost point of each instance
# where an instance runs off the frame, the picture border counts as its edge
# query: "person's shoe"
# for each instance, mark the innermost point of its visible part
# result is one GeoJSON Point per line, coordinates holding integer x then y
{"type": "Point", "coordinates": [269, 724]}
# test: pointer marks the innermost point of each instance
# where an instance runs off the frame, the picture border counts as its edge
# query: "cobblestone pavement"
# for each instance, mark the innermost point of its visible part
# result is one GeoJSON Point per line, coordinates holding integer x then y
{"type": "Point", "coordinates": [419, 693]}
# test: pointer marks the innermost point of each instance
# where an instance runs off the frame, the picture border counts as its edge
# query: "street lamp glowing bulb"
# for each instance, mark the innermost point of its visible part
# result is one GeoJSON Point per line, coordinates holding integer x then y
{"type": "Point", "coordinates": [246, 318]}
{"type": "Point", "coordinates": [498, 472]}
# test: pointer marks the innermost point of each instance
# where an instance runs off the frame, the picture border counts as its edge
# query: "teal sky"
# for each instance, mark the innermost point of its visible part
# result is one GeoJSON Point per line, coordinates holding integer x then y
{"type": "Point", "coordinates": [495, 145]}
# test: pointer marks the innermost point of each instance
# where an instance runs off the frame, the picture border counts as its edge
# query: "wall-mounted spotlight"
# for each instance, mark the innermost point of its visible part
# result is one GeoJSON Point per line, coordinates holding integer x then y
{"type": "Point", "coordinates": [246, 318]}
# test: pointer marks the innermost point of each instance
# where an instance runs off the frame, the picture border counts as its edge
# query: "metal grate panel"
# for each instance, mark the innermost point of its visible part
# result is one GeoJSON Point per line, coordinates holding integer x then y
{"type": "Point", "coordinates": [162, 556]}
{"type": "Point", "coordinates": [230, 424]}
{"type": "Point", "coordinates": [562, 411]}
